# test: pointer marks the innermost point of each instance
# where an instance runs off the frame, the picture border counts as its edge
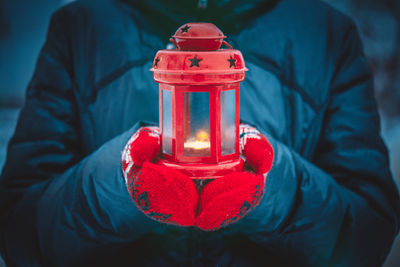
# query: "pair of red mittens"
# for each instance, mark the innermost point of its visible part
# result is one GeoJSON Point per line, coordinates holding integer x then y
{"type": "Point", "coordinates": [168, 196]}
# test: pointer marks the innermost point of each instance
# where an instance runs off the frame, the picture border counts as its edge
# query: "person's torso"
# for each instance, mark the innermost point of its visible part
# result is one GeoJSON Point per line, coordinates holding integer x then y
{"type": "Point", "coordinates": [285, 94]}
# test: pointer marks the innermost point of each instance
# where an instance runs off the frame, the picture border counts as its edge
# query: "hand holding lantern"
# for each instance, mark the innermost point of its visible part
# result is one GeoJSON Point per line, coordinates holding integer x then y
{"type": "Point", "coordinates": [227, 199]}
{"type": "Point", "coordinates": [199, 117]}
{"type": "Point", "coordinates": [161, 193]}
{"type": "Point", "coordinates": [168, 196]}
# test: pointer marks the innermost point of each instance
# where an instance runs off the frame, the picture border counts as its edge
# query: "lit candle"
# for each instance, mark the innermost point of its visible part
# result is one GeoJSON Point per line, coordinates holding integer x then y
{"type": "Point", "coordinates": [198, 146]}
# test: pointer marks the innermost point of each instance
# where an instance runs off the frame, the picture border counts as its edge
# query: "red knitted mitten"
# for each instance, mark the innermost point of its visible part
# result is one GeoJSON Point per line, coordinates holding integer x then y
{"type": "Point", "coordinates": [227, 199]}
{"type": "Point", "coordinates": [256, 149]}
{"type": "Point", "coordinates": [161, 193]}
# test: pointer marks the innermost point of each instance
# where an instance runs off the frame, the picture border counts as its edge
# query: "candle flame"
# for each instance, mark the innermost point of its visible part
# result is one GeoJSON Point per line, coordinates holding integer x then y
{"type": "Point", "coordinates": [202, 136]}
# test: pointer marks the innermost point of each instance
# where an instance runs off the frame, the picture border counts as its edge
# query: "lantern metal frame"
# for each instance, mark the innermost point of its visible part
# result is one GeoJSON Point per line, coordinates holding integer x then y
{"type": "Point", "coordinates": [199, 65]}
{"type": "Point", "coordinates": [178, 134]}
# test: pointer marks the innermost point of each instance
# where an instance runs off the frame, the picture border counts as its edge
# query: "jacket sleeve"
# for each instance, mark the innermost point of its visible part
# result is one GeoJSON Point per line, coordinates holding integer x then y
{"type": "Point", "coordinates": [342, 207]}
{"type": "Point", "coordinates": [53, 203]}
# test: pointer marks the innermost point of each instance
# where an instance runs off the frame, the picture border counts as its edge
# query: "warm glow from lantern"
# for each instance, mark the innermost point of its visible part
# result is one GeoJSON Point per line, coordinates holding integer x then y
{"type": "Point", "coordinates": [200, 142]}
{"type": "Point", "coordinates": [202, 136]}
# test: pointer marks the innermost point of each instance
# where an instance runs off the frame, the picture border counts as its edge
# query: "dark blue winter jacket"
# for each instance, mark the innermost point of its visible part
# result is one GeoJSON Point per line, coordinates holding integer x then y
{"type": "Point", "coordinates": [330, 199]}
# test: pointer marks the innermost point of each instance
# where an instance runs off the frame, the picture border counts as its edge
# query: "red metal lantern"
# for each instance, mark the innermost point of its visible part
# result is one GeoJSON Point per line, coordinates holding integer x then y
{"type": "Point", "coordinates": [199, 102]}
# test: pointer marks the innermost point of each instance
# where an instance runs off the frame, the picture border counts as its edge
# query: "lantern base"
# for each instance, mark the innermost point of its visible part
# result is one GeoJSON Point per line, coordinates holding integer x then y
{"type": "Point", "coordinates": [203, 170]}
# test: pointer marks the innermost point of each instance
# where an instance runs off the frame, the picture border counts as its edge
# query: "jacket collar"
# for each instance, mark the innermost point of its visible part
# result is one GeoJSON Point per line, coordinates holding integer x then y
{"type": "Point", "coordinates": [229, 15]}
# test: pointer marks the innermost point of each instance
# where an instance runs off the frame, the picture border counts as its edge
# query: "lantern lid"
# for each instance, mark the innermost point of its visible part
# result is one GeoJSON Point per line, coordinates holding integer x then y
{"type": "Point", "coordinates": [198, 36]}
{"type": "Point", "coordinates": [199, 30]}
{"type": "Point", "coordinates": [198, 58]}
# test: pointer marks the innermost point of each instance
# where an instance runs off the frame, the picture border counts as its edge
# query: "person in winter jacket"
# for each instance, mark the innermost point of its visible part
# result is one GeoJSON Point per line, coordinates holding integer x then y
{"type": "Point", "coordinates": [67, 196]}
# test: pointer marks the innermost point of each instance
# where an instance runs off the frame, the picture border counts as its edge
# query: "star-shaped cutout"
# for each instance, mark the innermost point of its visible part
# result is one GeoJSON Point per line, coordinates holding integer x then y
{"type": "Point", "coordinates": [185, 29]}
{"type": "Point", "coordinates": [156, 62]}
{"type": "Point", "coordinates": [232, 62]}
{"type": "Point", "coordinates": [195, 61]}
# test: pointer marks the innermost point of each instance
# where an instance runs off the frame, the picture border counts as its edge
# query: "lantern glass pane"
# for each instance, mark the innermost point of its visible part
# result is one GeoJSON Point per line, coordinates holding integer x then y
{"type": "Point", "coordinates": [167, 122]}
{"type": "Point", "coordinates": [196, 120]}
{"type": "Point", "coordinates": [228, 119]}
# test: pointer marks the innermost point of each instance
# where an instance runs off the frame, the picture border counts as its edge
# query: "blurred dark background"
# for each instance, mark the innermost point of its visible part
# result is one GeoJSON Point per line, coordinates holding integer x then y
{"type": "Point", "coordinates": [23, 26]}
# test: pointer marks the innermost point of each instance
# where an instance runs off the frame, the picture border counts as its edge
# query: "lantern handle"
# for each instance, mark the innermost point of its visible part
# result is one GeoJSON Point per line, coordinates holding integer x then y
{"type": "Point", "coordinates": [172, 40]}
{"type": "Point", "coordinates": [228, 45]}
